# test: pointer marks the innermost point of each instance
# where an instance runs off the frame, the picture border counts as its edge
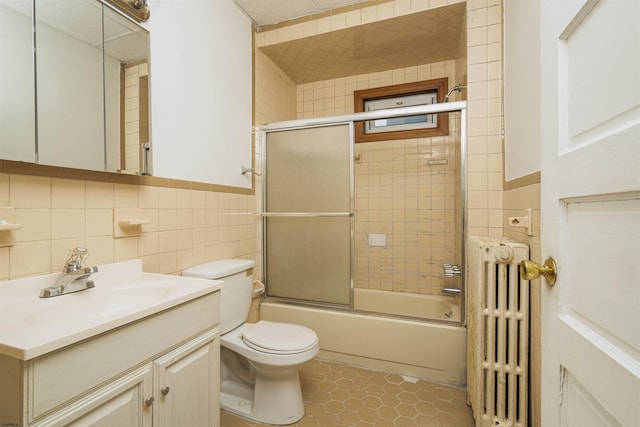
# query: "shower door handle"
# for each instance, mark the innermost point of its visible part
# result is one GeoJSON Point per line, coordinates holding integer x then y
{"type": "Point", "coordinates": [309, 214]}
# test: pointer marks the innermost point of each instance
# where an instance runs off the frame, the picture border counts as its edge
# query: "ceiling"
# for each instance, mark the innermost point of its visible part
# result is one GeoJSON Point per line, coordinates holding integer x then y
{"type": "Point", "coordinates": [271, 12]}
{"type": "Point", "coordinates": [434, 35]}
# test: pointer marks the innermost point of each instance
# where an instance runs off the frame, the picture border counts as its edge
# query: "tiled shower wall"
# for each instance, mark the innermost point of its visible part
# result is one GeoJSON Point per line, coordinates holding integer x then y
{"type": "Point", "coordinates": [398, 193]}
{"type": "Point", "coordinates": [414, 204]}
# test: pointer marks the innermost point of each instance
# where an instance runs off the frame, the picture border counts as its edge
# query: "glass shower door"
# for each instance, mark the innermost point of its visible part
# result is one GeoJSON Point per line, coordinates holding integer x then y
{"type": "Point", "coordinates": [308, 214]}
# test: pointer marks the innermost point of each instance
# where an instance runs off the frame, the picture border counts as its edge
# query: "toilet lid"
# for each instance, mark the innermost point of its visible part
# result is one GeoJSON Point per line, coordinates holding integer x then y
{"type": "Point", "coordinates": [278, 338]}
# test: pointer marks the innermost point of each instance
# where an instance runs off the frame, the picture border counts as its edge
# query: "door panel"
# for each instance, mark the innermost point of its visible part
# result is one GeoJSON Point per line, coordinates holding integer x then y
{"type": "Point", "coordinates": [594, 228]}
{"type": "Point", "coordinates": [187, 384]}
{"type": "Point", "coordinates": [309, 214]}
{"type": "Point", "coordinates": [590, 63]}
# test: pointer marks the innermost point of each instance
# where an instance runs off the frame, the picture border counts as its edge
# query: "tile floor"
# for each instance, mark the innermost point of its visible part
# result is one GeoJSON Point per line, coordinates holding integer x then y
{"type": "Point", "coordinates": [337, 395]}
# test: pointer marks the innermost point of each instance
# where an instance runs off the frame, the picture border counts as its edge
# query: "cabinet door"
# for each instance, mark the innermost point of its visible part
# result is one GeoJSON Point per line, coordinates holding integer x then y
{"type": "Point", "coordinates": [187, 384]}
{"type": "Point", "coordinates": [120, 403]}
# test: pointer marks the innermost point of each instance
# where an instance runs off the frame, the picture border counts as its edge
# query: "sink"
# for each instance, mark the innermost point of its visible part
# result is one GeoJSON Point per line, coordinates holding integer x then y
{"type": "Point", "coordinates": [98, 303]}
{"type": "Point", "coordinates": [31, 326]}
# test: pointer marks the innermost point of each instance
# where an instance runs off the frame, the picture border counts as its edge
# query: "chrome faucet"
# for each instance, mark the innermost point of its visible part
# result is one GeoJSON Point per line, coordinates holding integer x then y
{"type": "Point", "coordinates": [74, 277]}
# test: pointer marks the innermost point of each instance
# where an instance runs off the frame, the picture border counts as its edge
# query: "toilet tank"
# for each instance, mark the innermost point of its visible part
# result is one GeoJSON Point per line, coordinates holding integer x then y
{"type": "Point", "coordinates": [236, 291]}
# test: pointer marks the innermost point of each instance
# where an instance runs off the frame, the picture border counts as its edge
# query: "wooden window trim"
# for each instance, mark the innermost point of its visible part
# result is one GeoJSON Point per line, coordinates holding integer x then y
{"type": "Point", "coordinates": [441, 86]}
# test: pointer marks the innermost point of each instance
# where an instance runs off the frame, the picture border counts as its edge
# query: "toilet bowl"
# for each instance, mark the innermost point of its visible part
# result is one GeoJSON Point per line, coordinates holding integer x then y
{"type": "Point", "coordinates": [259, 362]}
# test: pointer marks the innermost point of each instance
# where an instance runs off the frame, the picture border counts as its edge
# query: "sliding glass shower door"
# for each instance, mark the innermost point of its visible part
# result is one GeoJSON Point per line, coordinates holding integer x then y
{"type": "Point", "coordinates": [308, 214]}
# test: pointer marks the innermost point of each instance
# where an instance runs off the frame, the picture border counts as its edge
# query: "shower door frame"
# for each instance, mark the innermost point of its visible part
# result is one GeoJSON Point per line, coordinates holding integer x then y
{"type": "Point", "coordinates": [290, 126]}
{"type": "Point", "coordinates": [350, 119]}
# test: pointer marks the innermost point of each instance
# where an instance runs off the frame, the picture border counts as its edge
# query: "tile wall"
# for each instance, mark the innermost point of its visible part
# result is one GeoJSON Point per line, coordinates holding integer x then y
{"type": "Point", "coordinates": [187, 226]}
{"type": "Point", "coordinates": [484, 124]}
{"type": "Point", "coordinates": [397, 193]}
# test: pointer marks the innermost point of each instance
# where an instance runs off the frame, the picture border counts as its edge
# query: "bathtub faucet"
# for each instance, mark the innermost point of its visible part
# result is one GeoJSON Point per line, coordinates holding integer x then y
{"type": "Point", "coordinates": [74, 277]}
{"type": "Point", "coordinates": [451, 292]}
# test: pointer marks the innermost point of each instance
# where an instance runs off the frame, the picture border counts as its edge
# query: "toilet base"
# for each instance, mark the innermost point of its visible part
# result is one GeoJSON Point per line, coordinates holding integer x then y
{"type": "Point", "coordinates": [267, 398]}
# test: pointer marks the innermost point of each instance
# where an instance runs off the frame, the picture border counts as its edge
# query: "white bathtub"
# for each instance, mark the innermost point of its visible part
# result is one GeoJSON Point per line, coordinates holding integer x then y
{"type": "Point", "coordinates": [417, 348]}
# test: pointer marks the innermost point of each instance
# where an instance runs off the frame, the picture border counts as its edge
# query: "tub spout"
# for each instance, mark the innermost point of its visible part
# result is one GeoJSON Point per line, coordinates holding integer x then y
{"type": "Point", "coordinates": [451, 292]}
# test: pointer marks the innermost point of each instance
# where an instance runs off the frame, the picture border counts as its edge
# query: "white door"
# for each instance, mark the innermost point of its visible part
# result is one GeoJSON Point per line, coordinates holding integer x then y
{"type": "Point", "coordinates": [590, 91]}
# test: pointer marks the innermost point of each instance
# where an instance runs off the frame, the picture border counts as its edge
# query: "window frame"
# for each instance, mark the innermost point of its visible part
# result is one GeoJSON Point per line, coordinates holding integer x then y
{"type": "Point", "coordinates": [360, 97]}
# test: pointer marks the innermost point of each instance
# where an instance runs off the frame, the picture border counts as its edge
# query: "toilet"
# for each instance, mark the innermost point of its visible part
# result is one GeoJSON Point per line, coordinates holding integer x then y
{"type": "Point", "coordinates": [259, 362]}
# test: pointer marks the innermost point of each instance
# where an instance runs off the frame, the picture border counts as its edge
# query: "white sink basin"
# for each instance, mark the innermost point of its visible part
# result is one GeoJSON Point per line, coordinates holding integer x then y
{"type": "Point", "coordinates": [31, 326]}
{"type": "Point", "coordinates": [98, 303]}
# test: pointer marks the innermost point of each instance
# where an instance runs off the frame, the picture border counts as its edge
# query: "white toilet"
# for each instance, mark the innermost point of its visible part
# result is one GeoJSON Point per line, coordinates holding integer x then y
{"type": "Point", "coordinates": [259, 362]}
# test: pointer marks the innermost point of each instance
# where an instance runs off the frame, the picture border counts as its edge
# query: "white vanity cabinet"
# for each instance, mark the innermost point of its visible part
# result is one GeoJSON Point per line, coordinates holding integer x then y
{"type": "Point", "coordinates": [120, 403]}
{"type": "Point", "coordinates": [188, 385]}
{"type": "Point", "coordinates": [161, 370]}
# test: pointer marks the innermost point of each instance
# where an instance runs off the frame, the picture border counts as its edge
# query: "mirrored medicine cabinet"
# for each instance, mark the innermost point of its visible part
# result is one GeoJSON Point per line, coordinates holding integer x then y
{"type": "Point", "coordinates": [82, 99]}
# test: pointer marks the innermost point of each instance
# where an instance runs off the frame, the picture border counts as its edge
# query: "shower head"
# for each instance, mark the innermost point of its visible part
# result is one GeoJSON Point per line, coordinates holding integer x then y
{"type": "Point", "coordinates": [458, 87]}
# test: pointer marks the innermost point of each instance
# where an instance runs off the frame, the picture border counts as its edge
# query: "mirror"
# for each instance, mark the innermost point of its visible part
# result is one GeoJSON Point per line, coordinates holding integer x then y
{"type": "Point", "coordinates": [17, 92]}
{"type": "Point", "coordinates": [91, 87]}
{"type": "Point", "coordinates": [126, 53]}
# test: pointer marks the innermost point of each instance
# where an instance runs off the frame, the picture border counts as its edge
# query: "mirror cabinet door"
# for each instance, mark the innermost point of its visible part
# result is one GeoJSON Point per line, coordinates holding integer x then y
{"type": "Point", "coordinates": [126, 58]}
{"type": "Point", "coordinates": [17, 97]}
{"type": "Point", "coordinates": [90, 94]}
{"type": "Point", "coordinates": [69, 83]}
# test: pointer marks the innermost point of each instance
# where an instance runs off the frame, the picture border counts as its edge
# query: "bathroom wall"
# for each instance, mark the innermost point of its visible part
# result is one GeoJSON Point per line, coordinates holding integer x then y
{"type": "Point", "coordinates": [522, 159]}
{"type": "Point", "coordinates": [187, 226]}
{"type": "Point", "coordinates": [522, 162]}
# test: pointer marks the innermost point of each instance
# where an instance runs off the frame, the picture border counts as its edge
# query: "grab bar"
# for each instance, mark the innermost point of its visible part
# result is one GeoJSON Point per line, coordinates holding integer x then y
{"type": "Point", "coordinates": [309, 214]}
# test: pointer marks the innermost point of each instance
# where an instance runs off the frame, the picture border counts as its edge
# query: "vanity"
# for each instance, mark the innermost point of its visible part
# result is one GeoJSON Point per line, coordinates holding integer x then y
{"type": "Point", "coordinates": [138, 349]}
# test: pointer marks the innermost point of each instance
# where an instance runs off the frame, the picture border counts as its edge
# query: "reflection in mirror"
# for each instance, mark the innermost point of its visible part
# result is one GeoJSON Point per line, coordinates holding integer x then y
{"type": "Point", "coordinates": [89, 60]}
{"type": "Point", "coordinates": [17, 109]}
{"type": "Point", "coordinates": [127, 132]}
{"type": "Point", "coordinates": [69, 84]}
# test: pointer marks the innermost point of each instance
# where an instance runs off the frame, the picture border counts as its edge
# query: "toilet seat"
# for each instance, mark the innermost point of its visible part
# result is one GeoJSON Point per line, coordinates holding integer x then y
{"type": "Point", "coordinates": [278, 338]}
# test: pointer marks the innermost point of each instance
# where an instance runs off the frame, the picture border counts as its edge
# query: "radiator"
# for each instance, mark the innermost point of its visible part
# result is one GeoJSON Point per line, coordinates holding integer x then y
{"type": "Point", "coordinates": [498, 332]}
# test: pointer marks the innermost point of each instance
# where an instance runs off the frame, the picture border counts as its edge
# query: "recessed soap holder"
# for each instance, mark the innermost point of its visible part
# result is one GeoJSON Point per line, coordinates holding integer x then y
{"type": "Point", "coordinates": [128, 222]}
{"type": "Point", "coordinates": [522, 222]}
{"type": "Point", "coordinates": [7, 226]}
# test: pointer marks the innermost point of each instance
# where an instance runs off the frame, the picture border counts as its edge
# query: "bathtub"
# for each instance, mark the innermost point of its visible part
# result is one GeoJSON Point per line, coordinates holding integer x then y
{"type": "Point", "coordinates": [433, 350]}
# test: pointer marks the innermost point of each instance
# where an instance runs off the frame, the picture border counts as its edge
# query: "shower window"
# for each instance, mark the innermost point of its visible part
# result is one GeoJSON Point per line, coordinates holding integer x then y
{"type": "Point", "coordinates": [404, 95]}
{"type": "Point", "coordinates": [423, 121]}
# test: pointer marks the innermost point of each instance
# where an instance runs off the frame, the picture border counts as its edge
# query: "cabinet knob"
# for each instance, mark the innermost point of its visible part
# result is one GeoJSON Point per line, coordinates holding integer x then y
{"type": "Point", "coordinates": [148, 402]}
{"type": "Point", "coordinates": [165, 390]}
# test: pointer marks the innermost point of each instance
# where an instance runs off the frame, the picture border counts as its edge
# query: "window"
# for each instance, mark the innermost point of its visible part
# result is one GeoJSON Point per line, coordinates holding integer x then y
{"type": "Point", "coordinates": [404, 95]}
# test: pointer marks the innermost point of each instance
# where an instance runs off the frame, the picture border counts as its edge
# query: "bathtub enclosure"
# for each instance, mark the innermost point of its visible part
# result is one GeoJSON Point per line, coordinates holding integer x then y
{"type": "Point", "coordinates": [355, 237]}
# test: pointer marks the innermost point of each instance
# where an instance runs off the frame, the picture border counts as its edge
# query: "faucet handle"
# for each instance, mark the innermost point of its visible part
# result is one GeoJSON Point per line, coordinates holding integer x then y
{"type": "Point", "coordinates": [77, 256]}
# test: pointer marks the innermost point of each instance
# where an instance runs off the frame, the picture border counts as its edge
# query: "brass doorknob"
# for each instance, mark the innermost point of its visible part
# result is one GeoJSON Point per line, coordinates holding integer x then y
{"type": "Point", "coordinates": [531, 270]}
